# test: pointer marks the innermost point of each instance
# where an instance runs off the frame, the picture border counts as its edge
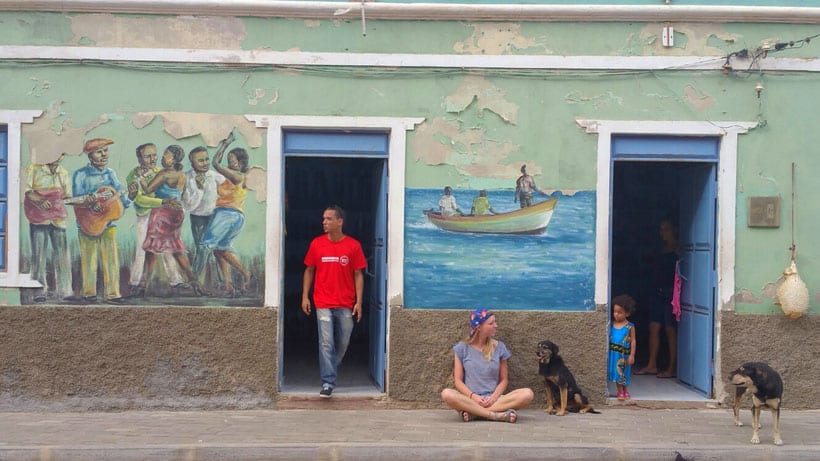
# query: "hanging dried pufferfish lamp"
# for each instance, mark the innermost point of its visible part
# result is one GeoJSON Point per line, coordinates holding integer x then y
{"type": "Point", "coordinates": [792, 294]}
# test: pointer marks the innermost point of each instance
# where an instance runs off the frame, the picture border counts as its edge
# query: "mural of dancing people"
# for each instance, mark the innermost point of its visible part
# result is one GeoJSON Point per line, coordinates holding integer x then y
{"type": "Point", "coordinates": [155, 258]}
{"type": "Point", "coordinates": [229, 217]}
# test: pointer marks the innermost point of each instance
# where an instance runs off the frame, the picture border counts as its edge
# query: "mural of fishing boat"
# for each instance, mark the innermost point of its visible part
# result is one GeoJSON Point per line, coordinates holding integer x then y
{"type": "Point", "coordinates": [532, 220]}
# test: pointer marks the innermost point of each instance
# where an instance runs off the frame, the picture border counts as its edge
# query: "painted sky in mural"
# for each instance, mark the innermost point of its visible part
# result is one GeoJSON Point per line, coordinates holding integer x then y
{"type": "Point", "coordinates": [553, 270]}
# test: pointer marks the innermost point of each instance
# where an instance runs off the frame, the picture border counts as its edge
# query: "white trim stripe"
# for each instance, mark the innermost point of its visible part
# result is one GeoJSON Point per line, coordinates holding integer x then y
{"type": "Point", "coordinates": [235, 58]}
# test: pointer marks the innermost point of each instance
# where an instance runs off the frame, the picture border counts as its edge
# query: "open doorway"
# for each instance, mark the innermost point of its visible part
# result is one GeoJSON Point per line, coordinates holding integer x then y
{"type": "Point", "coordinates": [312, 183]}
{"type": "Point", "coordinates": [681, 190]}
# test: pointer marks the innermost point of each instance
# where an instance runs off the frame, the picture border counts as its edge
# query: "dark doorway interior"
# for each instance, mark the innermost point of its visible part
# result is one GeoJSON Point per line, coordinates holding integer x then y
{"type": "Point", "coordinates": [643, 194]}
{"type": "Point", "coordinates": [312, 184]}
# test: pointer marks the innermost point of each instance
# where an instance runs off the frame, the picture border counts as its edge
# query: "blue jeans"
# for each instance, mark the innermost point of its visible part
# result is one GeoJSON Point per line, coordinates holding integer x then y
{"type": "Point", "coordinates": [335, 326]}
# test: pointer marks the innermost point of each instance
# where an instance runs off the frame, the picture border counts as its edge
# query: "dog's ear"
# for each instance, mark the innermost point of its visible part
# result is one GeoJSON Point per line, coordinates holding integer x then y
{"type": "Point", "coordinates": [555, 349]}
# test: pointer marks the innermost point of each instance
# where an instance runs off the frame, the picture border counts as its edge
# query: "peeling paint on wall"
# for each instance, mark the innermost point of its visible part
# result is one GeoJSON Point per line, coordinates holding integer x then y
{"type": "Point", "coordinates": [39, 87]}
{"type": "Point", "coordinates": [158, 32]}
{"type": "Point", "coordinates": [746, 296]}
{"type": "Point", "coordinates": [497, 38]}
{"type": "Point", "coordinates": [635, 44]}
{"type": "Point", "coordinates": [262, 94]}
{"type": "Point", "coordinates": [486, 97]}
{"type": "Point", "coordinates": [51, 135]}
{"type": "Point", "coordinates": [770, 290]}
{"type": "Point", "coordinates": [256, 179]}
{"type": "Point", "coordinates": [697, 99]}
{"type": "Point", "coordinates": [442, 142]}
{"type": "Point", "coordinates": [435, 140]}
{"type": "Point", "coordinates": [212, 127]}
{"type": "Point", "coordinates": [697, 40]}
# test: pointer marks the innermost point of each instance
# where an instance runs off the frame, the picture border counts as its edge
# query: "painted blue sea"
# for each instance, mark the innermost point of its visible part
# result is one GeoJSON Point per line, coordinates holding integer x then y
{"type": "Point", "coordinates": [552, 271]}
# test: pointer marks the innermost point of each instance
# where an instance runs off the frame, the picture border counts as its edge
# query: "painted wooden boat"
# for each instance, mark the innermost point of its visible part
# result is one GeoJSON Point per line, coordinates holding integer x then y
{"type": "Point", "coordinates": [531, 220]}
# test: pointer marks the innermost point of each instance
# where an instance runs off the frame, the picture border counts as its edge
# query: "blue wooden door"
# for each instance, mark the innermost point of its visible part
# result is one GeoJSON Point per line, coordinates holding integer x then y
{"type": "Point", "coordinates": [698, 187]}
{"type": "Point", "coordinates": [4, 151]}
{"type": "Point", "coordinates": [377, 288]}
{"type": "Point", "coordinates": [696, 165]}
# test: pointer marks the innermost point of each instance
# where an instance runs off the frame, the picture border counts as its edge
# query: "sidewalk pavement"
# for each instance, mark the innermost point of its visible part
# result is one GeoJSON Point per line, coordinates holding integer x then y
{"type": "Point", "coordinates": [618, 433]}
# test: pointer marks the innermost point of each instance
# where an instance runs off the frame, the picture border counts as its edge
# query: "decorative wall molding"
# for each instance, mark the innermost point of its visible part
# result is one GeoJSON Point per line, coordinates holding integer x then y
{"type": "Point", "coordinates": [430, 11]}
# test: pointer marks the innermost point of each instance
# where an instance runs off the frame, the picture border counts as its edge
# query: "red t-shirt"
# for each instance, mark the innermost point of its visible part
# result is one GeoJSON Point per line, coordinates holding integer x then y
{"type": "Point", "coordinates": [335, 263]}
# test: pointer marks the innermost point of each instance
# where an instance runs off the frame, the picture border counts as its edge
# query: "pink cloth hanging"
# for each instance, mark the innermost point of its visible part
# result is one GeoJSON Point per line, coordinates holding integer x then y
{"type": "Point", "coordinates": [676, 292]}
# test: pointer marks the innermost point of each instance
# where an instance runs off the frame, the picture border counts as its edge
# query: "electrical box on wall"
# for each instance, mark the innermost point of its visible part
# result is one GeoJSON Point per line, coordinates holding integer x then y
{"type": "Point", "coordinates": [668, 36]}
{"type": "Point", "coordinates": [764, 211]}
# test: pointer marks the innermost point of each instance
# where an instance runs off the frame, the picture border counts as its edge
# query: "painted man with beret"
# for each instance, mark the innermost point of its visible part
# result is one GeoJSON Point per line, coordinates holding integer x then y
{"type": "Point", "coordinates": [97, 184]}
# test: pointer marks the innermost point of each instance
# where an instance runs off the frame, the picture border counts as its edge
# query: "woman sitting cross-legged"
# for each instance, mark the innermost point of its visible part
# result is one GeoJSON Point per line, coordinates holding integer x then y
{"type": "Point", "coordinates": [481, 375]}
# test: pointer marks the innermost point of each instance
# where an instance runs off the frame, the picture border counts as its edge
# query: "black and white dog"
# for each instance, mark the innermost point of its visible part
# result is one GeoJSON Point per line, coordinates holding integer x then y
{"type": "Point", "coordinates": [766, 388]}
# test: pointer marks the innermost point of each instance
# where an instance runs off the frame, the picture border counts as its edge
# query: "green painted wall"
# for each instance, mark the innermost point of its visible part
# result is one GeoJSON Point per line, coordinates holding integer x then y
{"type": "Point", "coordinates": [474, 120]}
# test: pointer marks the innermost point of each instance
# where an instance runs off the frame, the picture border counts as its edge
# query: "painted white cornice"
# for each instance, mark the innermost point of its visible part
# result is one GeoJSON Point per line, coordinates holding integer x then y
{"type": "Point", "coordinates": [429, 11]}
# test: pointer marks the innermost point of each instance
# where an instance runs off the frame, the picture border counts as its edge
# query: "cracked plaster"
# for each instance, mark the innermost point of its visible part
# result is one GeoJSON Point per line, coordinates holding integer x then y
{"type": "Point", "coordinates": [697, 99]}
{"type": "Point", "coordinates": [52, 135]}
{"type": "Point", "coordinates": [213, 128]}
{"type": "Point", "coordinates": [497, 39]}
{"type": "Point", "coordinates": [697, 40]}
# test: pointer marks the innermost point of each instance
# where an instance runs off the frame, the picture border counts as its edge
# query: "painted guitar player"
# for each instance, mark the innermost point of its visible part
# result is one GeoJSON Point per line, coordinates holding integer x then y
{"type": "Point", "coordinates": [102, 201]}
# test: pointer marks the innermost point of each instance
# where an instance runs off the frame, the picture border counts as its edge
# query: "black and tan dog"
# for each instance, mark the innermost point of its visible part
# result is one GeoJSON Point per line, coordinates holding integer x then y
{"type": "Point", "coordinates": [559, 382]}
{"type": "Point", "coordinates": [766, 388]}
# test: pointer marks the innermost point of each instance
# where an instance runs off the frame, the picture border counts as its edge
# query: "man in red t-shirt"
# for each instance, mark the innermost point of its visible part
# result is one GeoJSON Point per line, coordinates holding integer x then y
{"type": "Point", "coordinates": [335, 261]}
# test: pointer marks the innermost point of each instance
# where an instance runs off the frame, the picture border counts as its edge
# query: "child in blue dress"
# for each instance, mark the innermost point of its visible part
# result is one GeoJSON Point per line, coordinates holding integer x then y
{"type": "Point", "coordinates": [621, 344]}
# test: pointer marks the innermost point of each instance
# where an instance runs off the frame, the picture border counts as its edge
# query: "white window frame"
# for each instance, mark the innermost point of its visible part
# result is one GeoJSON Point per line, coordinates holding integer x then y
{"type": "Point", "coordinates": [11, 277]}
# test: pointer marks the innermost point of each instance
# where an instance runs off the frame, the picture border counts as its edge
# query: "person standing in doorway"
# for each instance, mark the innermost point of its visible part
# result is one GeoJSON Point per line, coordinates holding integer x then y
{"type": "Point", "coordinates": [660, 304]}
{"type": "Point", "coordinates": [622, 344]}
{"type": "Point", "coordinates": [335, 262]}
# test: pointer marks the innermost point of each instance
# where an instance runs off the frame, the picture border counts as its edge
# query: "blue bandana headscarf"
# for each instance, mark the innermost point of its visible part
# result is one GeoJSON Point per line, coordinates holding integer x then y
{"type": "Point", "coordinates": [479, 316]}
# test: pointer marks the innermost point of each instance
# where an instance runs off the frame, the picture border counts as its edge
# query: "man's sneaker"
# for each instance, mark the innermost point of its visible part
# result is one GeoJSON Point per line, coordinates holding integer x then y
{"type": "Point", "coordinates": [326, 391]}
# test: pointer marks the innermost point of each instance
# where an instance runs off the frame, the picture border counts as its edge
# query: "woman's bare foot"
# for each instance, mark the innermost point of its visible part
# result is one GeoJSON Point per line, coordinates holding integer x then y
{"type": "Point", "coordinates": [647, 371]}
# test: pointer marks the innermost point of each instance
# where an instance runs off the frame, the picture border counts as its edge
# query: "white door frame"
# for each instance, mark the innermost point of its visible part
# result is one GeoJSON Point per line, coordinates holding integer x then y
{"type": "Point", "coordinates": [397, 127]}
{"type": "Point", "coordinates": [726, 195]}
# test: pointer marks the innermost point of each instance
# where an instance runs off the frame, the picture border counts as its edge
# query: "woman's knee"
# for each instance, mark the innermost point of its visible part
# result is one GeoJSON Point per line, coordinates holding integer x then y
{"type": "Point", "coordinates": [448, 395]}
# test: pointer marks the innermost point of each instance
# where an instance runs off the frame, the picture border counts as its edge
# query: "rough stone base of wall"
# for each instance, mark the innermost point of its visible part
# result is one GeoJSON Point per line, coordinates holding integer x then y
{"type": "Point", "coordinates": [788, 346]}
{"type": "Point", "coordinates": [421, 351]}
{"type": "Point", "coordinates": [120, 358]}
